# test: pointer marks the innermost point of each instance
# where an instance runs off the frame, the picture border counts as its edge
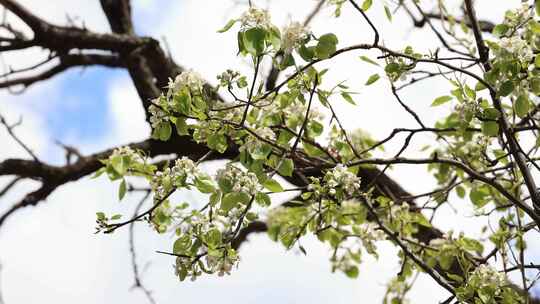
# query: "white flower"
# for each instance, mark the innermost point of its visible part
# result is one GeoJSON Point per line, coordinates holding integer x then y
{"type": "Point", "coordinates": [397, 210]}
{"type": "Point", "coordinates": [341, 177]}
{"type": "Point", "coordinates": [255, 17]}
{"type": "Point", "coordinates": [252, 143]}
{"type": "Point", "coordinates": [293, 35]}
{"type": "Point", "coordinates": [240, 180]}
{"type": "Point", "coordinates": [189, 78]}
{"type": "Point", "coordinates": [518, 47]}
{"type": "Point", "coordinates": [127, 151]}
{"type": "Point", "coordinates": [157, 116]}
{"type": "Point", "coordinates": [370, 232]}
{"type": "Point", "coordinates": [487, 276]}
{"type": "Point", "coordinates": [296, 109]}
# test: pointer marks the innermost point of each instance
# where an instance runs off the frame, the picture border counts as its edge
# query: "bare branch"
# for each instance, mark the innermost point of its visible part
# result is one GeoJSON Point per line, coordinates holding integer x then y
{"type": "Point", "coordinates": [9, 129]}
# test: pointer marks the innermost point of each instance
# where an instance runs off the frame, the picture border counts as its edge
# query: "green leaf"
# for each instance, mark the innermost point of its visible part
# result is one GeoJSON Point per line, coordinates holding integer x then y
{"type": "Point", "coordinates": [388, 13]}
{"type": "Point", "coordinates": [101, 216]}
{"type": "Point", "coordinates": [213, 237]}
{"type": "Point", "coordinates": [460, 191]}
{"type": "Point", "coordinates": [122, 190]}
{"type": "Point", "coordinates": [205, 185]}
{"type": "Point", "coordinates": [441, 100]}
{"type": "Point", "coordinates": [232, 199]}
{"type": "Point", "coordinates": [120, 164]}
{"type": "Point", "coordinates": [327, 46]}
{"type": "Point", "coordinates": [348, 98]}
{"type": "Point", "coordinates": [306, 53]}
{"type": "Point", "coordinates": [217, 142]}
{"type": "Point", "coordinates": [537, 61]}
{"type": "Point", "coordinates": [500, 29]}
{"type": "Point", "coordinates": [164, 131]}
{"type": "Point", "coordinates": [182, 244]}
{"type": "Point", "coordinates": [372, 79]}
{"type": "Point", "coordinates": [286, 168]}
{"type": "Point", "coordinates": [478, 197]}
{"type": "Point", "coordinates": [352, 272]}
{"type": "Point", "coordinates": [116, 217]}
{"type": "Point", "coordinates": [272, 185]}
{"type": "Point", "coordinates": [227, 26]}
{"type": "Point", "coordinates": [263, 199]}
{"type": "Point", "coordinates": [421, 220]}
{"type": "Point", "coordinates": [181, 126]}
{"type": "Point", "coordinates": [368, 60]}
{"type": "Point", "coordinates": [391, 68]}
{"type": "Point", "coordinates": [479, 86]}
{"type": "Point", "coordinates": [506, 88]}
{"type": "Point", "coordinates": [241, 47]}
{"type": "Point", "coordinates": [367, 4]}
{"type": "Point", "coordinates": [490, 128]}
{"type": "Point", "coordinates": [521, 106]}
{"type": "Point", "coordinates": [537, 7]}
{"type": "Point", "coordinates": [99, 172]}
{"type": "Point", "coordinates": [183, 101]}
{"type": "Point", "coordinates": [254, 41]}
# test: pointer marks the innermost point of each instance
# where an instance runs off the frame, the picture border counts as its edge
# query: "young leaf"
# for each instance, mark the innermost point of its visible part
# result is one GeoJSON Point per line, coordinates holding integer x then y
{"type": "Point", "coordinates": [263, 199]}
{"type": "Point", "coordinates": [254, 41]}
{"type": "Point", "coordinates": [230, 200]}
{"type": "Point", "coordinates": [122, 190]}
{"type": "Point", "coordinates": [490, 128]}
{"type": "Point", "coordinates": [372, 79]}
{"type": "Point", "coordinates": [367, 4]}
{"type": "Point", "coordinates": [506, 88]}
{"type": "Point", "coordinates": [116, 217]}
{"type": "Point", "coordinates": [348, 98]}
{"type": "Point", "coordinates": [368, 60]}
{"type": "Point", "coordinates": [326, 46]}
{"type": "Point", "coordinates": [521, 106]}
{"type": "Point", "coordinates": [287, 167]}
{"type": "Point", "coordinates": [388, 13]}
{"type": "Point", "coordinates": [441, 100]}
{"type": "Point", "coordinates": [227, 26]}
{"type": "Point", "coordinates": [272, 185]}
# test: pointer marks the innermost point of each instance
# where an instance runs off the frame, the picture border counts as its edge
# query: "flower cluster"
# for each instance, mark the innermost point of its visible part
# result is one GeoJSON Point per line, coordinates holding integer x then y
{"type": "Point", "coordinates": [341, 177]}
{"type": "Point", "coordinates": [371, 232]}
{"type": "Point", "coordinates": [255, 17]}
{"type": "Point", "coordinates": [293, 36]}
{"type": "Point", "coordinates": [516, 47]}
{"type": "Point", "coordinates": [294, 110]}
{"type": "Point", "coordinates": [238, 180]}
{"type": "Point", "coordinates": [253, 143]}
{"type": "Point", "coordinates": [486, 282]}
{"type": "Point", "coordinates": [127, 152]}
{"type": "Point", "coordinates": [222, 265]}
{"type": "Point", "coordinates": [169, 179]}
{"type": "Point", "coordinates": [157, 116]}
{"type": "Point", "coordinates": [466, 111]}
{"type": "Point", "coordinates": [189, 79]}
{"type": "Point", "coordinates": [226, 78]}
{"type": "Point", "coordinates": [485, 275]}
{"type": "Point", "coordinates": [515, 18]}
{"type": "Point", "coordinates": [397, 211]}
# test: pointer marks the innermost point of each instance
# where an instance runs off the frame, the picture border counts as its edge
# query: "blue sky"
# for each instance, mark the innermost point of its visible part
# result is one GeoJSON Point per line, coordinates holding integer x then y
{"type": "Point", "coordinates": [81, 110]}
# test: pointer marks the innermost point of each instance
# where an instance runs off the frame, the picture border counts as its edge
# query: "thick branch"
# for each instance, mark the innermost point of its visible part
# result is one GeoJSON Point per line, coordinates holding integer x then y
{"type": "Point", "coordinates": [66, 62]}
{"type": "Point", "coordinates": [118, 14]}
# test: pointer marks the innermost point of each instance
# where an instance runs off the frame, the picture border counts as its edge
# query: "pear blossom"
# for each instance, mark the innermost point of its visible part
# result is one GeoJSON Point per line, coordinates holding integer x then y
{"type": "Point", "coordinates": [189, 79]}
{"type": "Point", "coordinates": [293, 35]}
{"type": "Point", "coordinates": [255, 17]}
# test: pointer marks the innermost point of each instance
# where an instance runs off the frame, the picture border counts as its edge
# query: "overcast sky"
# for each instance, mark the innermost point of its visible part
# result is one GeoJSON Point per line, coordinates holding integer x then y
{"type": "Point", "coordinates": [49, 253]}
